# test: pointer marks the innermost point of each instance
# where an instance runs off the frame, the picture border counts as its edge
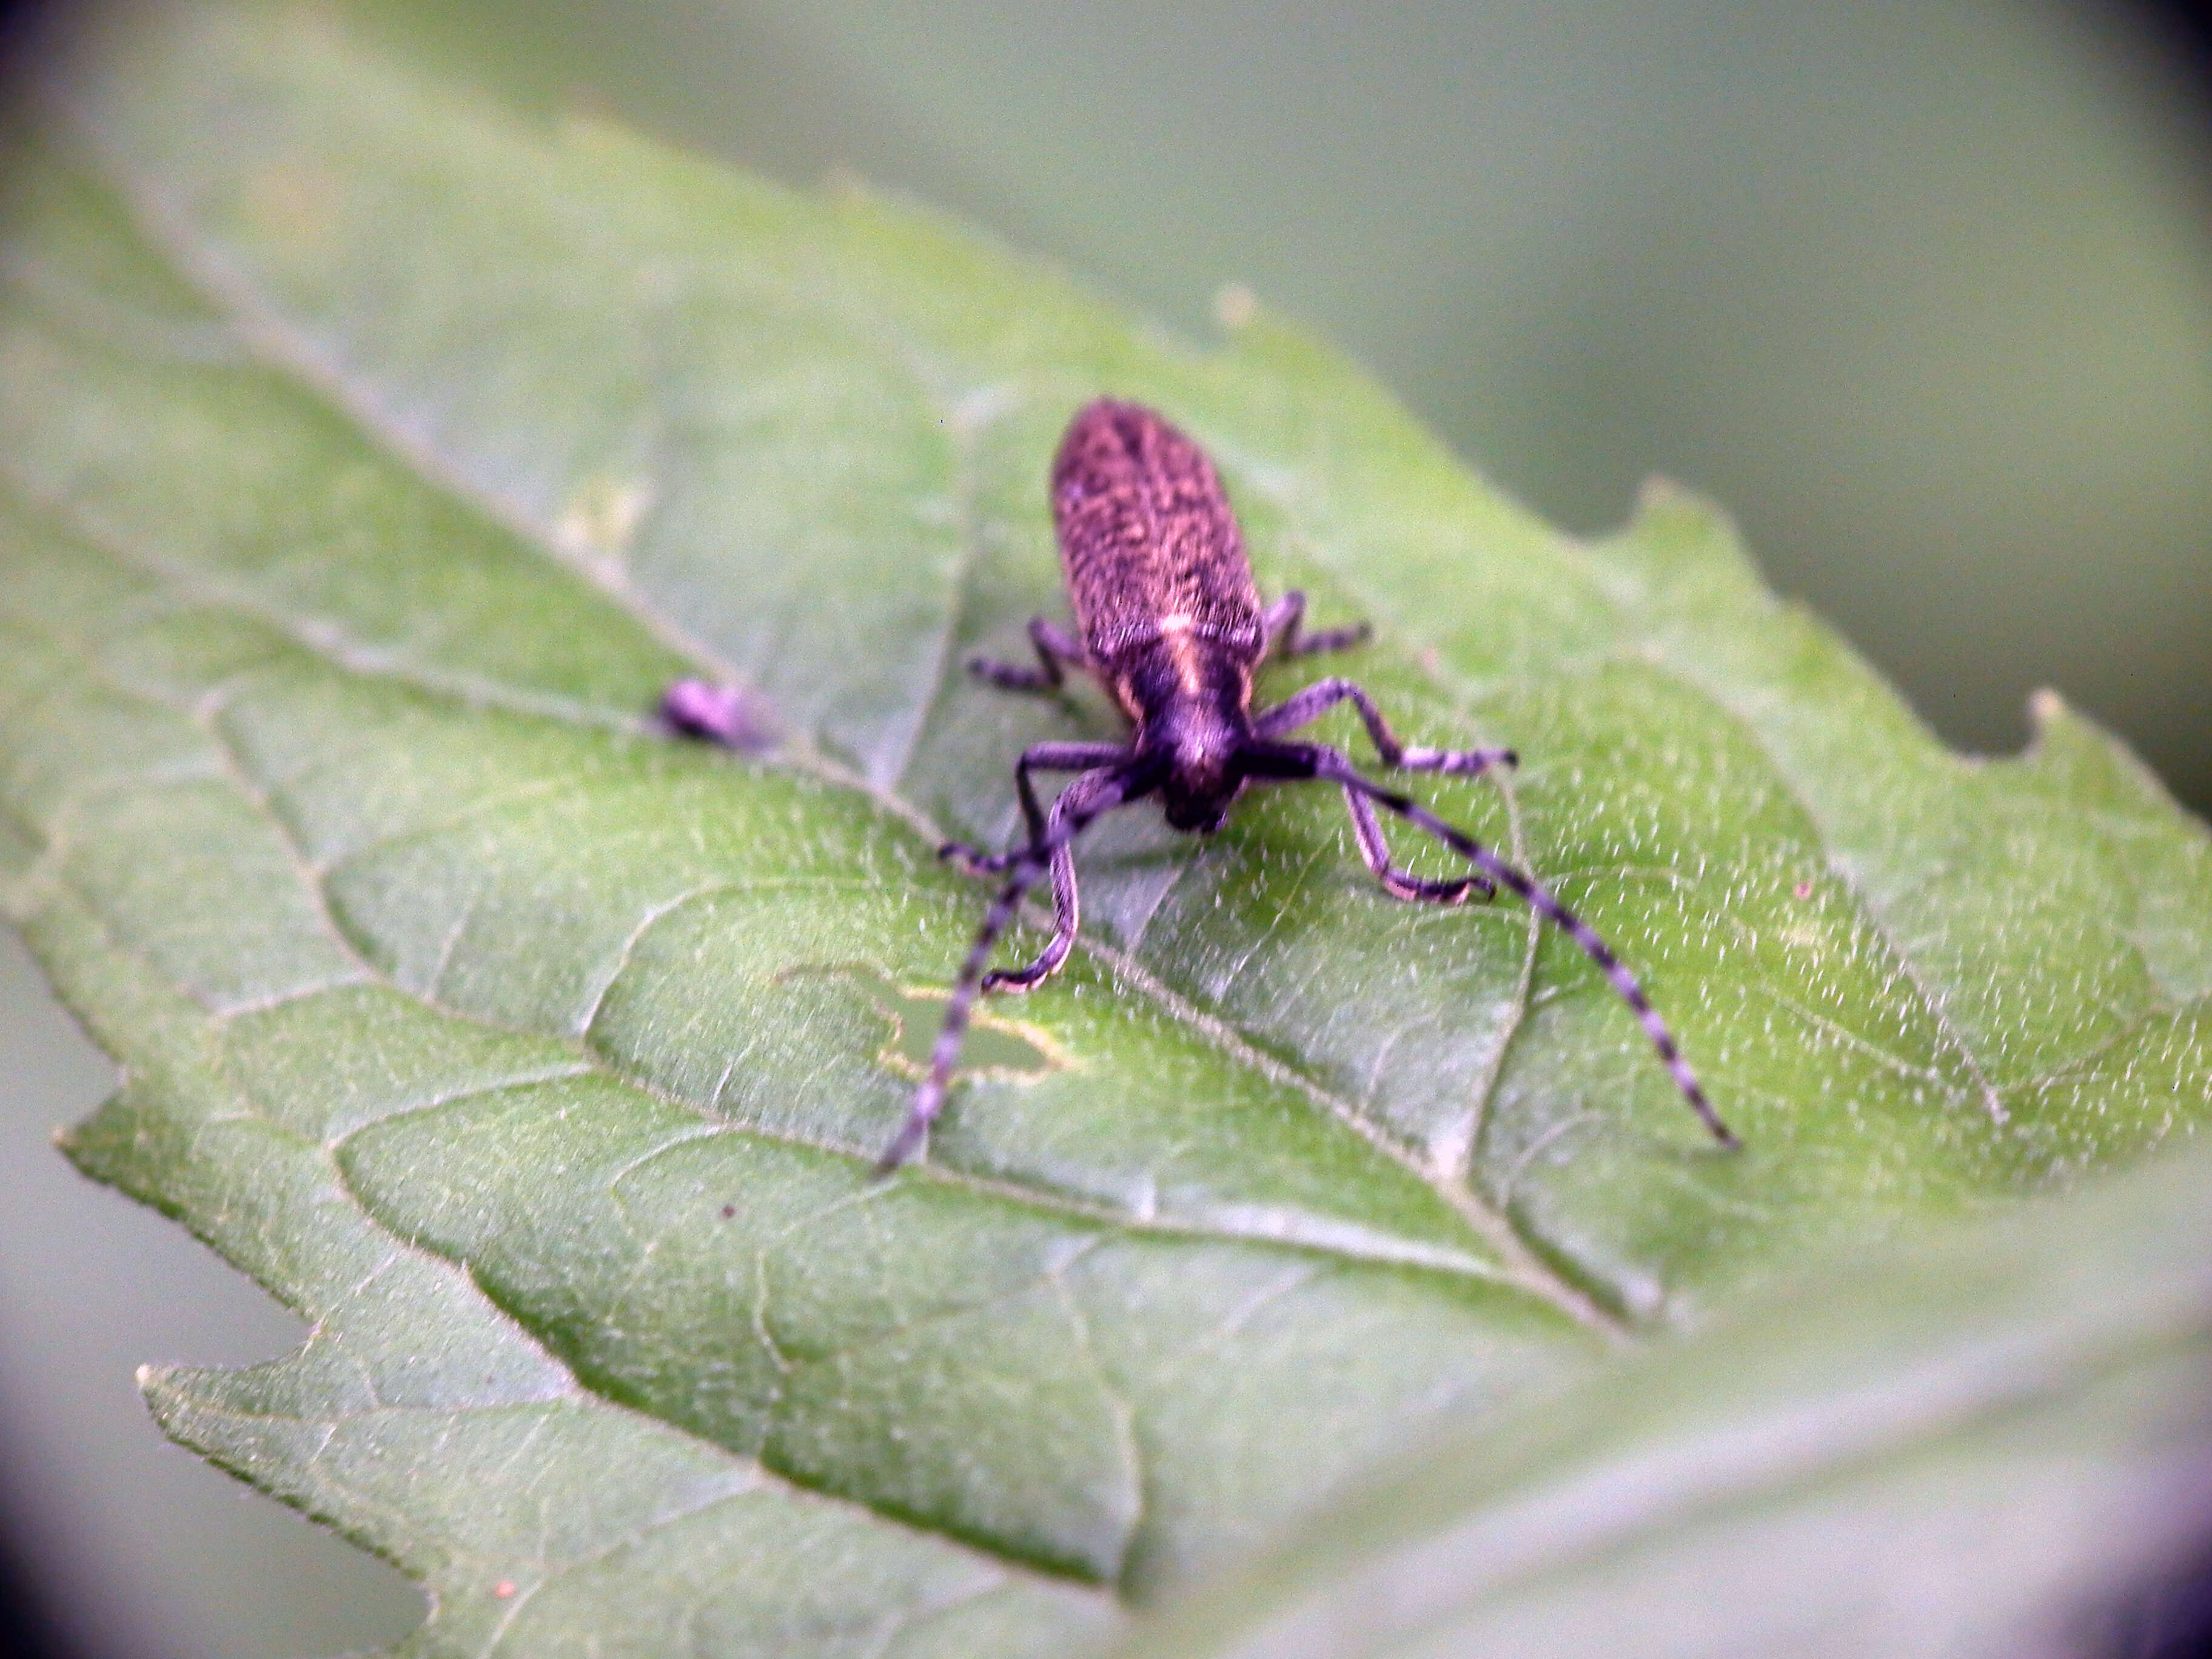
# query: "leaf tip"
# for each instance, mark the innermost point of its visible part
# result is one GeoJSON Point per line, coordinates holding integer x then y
{"type": "Point", "coordinates": [2064, 741]}
{"type": "Point", "coordinates": [1662, 502]}
{"type": "Point", "coordinates": [168, 1401]}
{"type": "Point", "coordinates": [1674, 528]}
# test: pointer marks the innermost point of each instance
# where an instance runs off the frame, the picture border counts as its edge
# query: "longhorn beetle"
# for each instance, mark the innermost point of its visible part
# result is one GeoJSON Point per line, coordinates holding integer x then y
{"type": "Point", "coordinates": [1171, 625]}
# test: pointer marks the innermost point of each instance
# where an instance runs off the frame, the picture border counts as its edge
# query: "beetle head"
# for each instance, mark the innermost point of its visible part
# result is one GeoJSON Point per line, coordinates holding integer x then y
{"type": "Point", "coordinates": [1202, 778]}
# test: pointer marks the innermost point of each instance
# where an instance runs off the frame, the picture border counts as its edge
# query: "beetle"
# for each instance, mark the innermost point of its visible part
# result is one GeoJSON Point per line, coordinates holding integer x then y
{"type": "Point", "coordinates": [1169, 622]}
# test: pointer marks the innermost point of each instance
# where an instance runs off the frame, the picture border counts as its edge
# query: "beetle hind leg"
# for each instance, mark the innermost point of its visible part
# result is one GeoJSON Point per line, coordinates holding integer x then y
{"type": "Point", "coordinates": [1057, 651]}
{"type": "Point", "coordinates": [1284, 625]}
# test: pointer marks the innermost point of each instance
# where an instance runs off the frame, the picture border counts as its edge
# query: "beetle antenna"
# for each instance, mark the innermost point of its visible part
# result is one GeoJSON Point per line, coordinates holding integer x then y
{"type": "Point", "coordinates": [1029, 866]}
{"type": "Point", "coordinates": [1336, 769]}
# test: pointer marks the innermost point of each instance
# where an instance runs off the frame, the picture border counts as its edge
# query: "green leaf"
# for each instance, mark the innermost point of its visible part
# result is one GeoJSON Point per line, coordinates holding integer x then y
{"type": "Point", "coordinates": [1960, 1448]}
{"type": "Point", "coordinates": [368, 462]}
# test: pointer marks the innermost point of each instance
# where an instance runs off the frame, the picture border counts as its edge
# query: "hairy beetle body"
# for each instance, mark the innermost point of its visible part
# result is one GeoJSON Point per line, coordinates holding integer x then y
{"type": "Point", "coordinates": [1150, 550]}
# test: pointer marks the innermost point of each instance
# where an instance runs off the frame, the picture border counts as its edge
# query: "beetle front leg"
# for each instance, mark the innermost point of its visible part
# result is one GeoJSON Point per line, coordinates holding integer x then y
{"type": "Point", "coordinates": [1114, 788]}
{"type": "Point", "coordinates": [1076, 800]}
{"type": "Point", "coordinates": [1290, 762]}
{"type": "Point", "coordinates": [1317, 699]}
{"type": "Point", "coordinates": [1037, 757]}
{"type": "Point", "coordinates": [1404, 883]}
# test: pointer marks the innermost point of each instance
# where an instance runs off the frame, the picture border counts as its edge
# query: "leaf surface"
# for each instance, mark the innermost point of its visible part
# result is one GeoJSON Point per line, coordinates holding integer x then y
{"type": "Point", "coordinates": [1987, 1442]}
{"type": "Point", "coordinates": [369, 461]}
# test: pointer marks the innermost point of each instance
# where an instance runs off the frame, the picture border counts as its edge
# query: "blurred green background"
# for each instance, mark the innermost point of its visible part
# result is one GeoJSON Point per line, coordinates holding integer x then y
{"type": "Point", "coordinates": [1922, 292]}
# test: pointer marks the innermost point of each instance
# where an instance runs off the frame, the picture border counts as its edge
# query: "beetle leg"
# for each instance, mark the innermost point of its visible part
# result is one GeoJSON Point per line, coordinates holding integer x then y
{"type": "Point", "coordinates": [1317, 699]}
{"type": "Point", "coordinates": [1066, 912]}
{"type": "Point", "coordinates": [1284, 622]}
{"type": "Point", "coordinates": [1040, 757]}
{"type": "Point", "coordinates": [1119, 787]}
{"type": "Point", "coordinates": [1403, 883]}
{"type": "Point", "coordinates": [1336, 767]}
{"type": "Point", "coordinates": [1057, 651]}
